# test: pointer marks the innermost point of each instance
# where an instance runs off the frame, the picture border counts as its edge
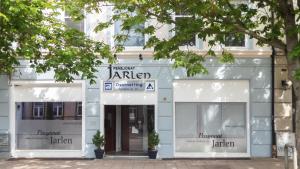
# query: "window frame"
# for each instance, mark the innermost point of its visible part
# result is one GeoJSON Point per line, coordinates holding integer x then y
{"type": "Point", "coordinates": [246, 44]}
{"type": "Point", "coordinates": [195, 94]}
{"type": "Point", "coordinates": [16, 86]}
{"type": "Point", "coordinates": [197, 45]}
{"type": "Point", "coordinates": [64, 16]}
{"type": "Point", "coordinates": [42, 106]}
{"type": "Point", "coordinates": [78, 105]}
{"type": "Point", "coordinates": [128, 48]}
{"type": "Point", "coordinates": [56, 108]}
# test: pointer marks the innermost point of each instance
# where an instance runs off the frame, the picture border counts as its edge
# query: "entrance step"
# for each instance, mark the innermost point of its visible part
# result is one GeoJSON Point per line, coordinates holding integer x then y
{"type": "Point", "coordinates": [125, 157]}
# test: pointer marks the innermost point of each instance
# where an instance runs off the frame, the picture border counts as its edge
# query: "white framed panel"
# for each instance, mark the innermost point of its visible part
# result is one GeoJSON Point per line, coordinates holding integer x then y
{"type": "Point", "coordinates": [211, 91]}
{"type": "Point", "coordinates": [45, 91]}
{"type": "Point", "coordinates": [42, 93]}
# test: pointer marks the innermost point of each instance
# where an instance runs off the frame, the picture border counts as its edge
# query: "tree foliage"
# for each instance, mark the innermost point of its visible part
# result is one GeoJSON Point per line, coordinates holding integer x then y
{"type": "Point", "coordinates": [271, 22]}
{"type": "Point", "coordinates": [30, 30]}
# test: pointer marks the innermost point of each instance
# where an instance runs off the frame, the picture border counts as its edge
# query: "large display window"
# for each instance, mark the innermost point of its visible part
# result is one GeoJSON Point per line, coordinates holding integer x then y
{"type": "Point", "coordinates": [48, 125]}
{"type": "Point", "coordinates": [210, 127]}
{"type": "Point", "coordinates": [47, 119]}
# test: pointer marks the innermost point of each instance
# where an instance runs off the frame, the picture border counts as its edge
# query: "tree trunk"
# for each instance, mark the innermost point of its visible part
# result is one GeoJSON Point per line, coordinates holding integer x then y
{"type": "Point", "coordinates": [292, 66]}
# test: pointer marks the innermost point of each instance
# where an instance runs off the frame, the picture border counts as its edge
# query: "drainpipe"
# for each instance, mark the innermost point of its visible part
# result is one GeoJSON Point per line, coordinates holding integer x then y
{"type": "Point", "coordinates": [273, 101]}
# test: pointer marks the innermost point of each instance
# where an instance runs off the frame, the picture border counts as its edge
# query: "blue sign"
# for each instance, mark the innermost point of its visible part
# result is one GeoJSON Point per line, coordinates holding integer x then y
{"type": "Point", "coordinates": [108, 86]}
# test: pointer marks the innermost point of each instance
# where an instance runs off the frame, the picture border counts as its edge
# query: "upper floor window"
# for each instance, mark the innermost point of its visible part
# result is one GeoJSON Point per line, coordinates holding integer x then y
{"type": "Point", "coordinates": [79, 25]}
{"type": "Point", "coordinates": [181, 19]}
{"type": "Point", "coordinates": [38, 110]}
{"type": "Point", "coordinates": [234, 40]}
{"type": "Point", "coordinates": [134, 38]}
{"type": "Point", "coordinates": [57, 109]}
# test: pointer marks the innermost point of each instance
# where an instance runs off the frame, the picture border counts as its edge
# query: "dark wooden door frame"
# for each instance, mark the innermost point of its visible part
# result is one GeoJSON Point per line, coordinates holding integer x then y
{"type": "Point", "coordinates": [110, 128]}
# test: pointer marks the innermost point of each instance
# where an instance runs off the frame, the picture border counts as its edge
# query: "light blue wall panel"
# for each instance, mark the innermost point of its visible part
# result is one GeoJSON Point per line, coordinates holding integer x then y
{"type": "Point", "coordinates": [261, 123]}
{"type": "Point", "coordinates": [165, 109]}
{"type": "Point", "coordinates": [261, 151]}
{"type": "Point", "coordinates": [165, 78]}
{"type": "Point", "coordinates": [92, 86]}
{"type": "Point", "coordinates": [260, 95]}
{"type": "Point", "coordinates": [165, 123]}
{"type": "Point", "coordinates": [261, 137]}
{"type": "Point", "coordinates": [89, 151]}
{"type": "Point", "coordinates": [4, 121]}
{"type": "Point", "coordinates": [92, 109]}
{"type": "Point", "coordinates": [165, 151]}
{"type": "Point", "coordinates": [3, 82]}
{"type": "Point", "coordinates": [92, 123]}
{"type": "Point", "coordinates": [92, 95]}
{"type": "Point", "coordinates": [166, 137]}
{"type": "Point", "coordinates": [4, 95]}
{"type": "Point", "coordinates": [165, 95]}
{"type": "Point", "coordinates": [261, 109]}
{"type": "Point", "coordinates": [4, 109]}
{"type": "Point", "coordinates": [89, 134]}
{"type": "Point", "coordinates": [261, 77]}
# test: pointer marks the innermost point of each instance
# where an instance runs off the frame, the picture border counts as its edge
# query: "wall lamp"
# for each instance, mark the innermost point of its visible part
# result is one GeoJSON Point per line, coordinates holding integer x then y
{"type": "Point", "coordinates": [286, 84]}
{"type": "Point", "coordinates": [140, 56]}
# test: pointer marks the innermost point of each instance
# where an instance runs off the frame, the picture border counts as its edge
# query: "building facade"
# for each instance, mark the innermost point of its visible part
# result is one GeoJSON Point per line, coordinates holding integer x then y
{"type": "Point", "coordinates": [225, 113]}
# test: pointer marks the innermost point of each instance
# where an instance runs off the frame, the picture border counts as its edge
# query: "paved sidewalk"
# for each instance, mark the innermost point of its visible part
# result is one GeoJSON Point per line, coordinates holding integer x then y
{"type": "Point", "coordinates": [262, 163]}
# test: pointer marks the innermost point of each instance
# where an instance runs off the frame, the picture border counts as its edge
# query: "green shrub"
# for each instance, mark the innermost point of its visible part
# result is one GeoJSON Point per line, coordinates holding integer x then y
{"type": "Point", "coordinates": [98, 140]}
{"type": "Point", "coordinates": [153, 140]}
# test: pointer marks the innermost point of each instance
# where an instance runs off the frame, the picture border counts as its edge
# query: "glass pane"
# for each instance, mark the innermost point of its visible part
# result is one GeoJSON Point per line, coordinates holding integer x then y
{"type": "Point", "coordinates": [79, 25]}
{"type": "Point", "coordinates": [234, 120]}
{"type": "Point", "coordinates": [210, 127]}
{"type": "Point", "coordinates": [47, 132]}
{"type": "Point", "coordinates": [186, 125]}
{"type": "Point", "coordinates": [134, 38]}
{"type": "Point", "coordinates": [234, 40]}
{"type": "Point", "coordinates": [181, 24]}
{"type": "Point", "coordinates": [210, 119]}
{"type": "Point", "coordinates": [136, 128]}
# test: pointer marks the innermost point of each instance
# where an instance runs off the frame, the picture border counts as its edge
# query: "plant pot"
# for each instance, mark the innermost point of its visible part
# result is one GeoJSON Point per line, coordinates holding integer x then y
{"type": "Point", "coordinates": [152, 154]}
{"type": "Point", "coordinates": [99, 153]}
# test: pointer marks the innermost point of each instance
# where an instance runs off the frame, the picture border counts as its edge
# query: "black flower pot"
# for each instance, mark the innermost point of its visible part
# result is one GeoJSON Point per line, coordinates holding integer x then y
{"type": "Point", "coordinates": [152, 154]}
{"type": "Point", "coordinates": [99, 153]}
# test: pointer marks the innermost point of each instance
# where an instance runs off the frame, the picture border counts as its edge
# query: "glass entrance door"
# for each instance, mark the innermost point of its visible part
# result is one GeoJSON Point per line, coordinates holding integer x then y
{"type": "Point", "coordinates": [136, 128]}
{"type": "Point", "coordinates": [127, 128]}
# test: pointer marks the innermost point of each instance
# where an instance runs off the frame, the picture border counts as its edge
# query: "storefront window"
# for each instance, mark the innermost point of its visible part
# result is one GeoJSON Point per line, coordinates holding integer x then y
{"type": "Point", "coordinates": [211, 127]}
{"type": "Point", "coordinates": [48, 125]}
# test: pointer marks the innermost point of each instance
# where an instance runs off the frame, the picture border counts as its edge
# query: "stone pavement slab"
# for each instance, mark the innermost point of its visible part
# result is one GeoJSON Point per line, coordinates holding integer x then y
{"type": "Point", "coordinates": [260, 163]}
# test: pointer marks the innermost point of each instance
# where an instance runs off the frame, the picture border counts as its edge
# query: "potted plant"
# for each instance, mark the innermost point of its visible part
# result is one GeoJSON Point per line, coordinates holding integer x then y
{"type": "Point", "coordinates": [98, 141]}
{"type": "Point", "coordinates": [153, 141]}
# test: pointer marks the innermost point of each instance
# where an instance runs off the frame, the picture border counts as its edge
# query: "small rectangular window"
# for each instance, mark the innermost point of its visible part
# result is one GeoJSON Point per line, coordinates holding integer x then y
{"type": "Point", "coordinates": [79, 25]}
{"type": "Point", "coordinates": [134, 38]}
{"type": "Point", "coordinates": [38, 110]}
{"type": "Point", "coordinates": [57, 109]}
{"type": "Point", "coordinates": [181, 20]}
{"type": "Point", "coordinates": [234, 40]}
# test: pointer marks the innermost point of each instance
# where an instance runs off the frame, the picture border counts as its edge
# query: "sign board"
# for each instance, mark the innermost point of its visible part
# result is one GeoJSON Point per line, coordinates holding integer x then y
{"type": "Point", "coordinates": [127, 72]}
{"type": "Point", "coordinates": [129, 86]}
{"type": "Point", "coordinates": [283, 138]}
